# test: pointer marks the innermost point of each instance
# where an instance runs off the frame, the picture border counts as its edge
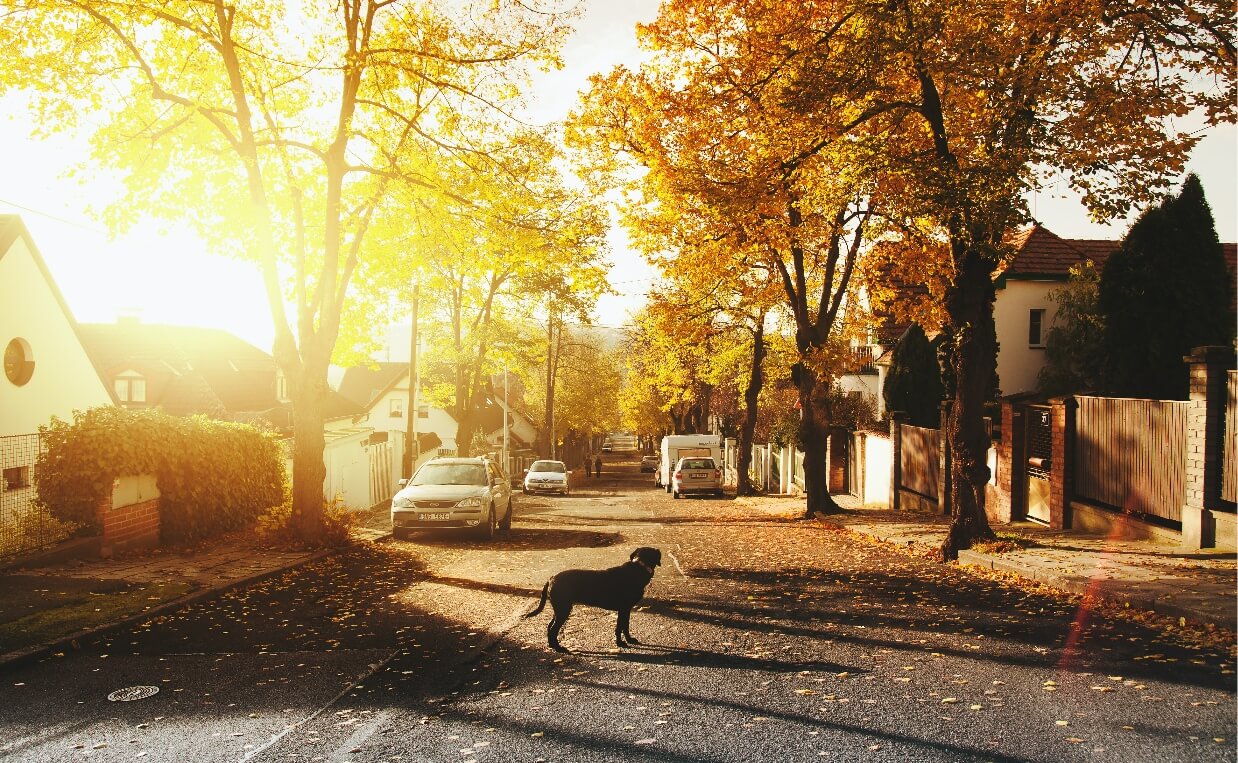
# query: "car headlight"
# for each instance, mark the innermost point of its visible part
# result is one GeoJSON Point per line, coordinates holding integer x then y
{"type": "Point", "coordinates": [401, 502]}
{"type": "Point", "coordinates": [469, 503]}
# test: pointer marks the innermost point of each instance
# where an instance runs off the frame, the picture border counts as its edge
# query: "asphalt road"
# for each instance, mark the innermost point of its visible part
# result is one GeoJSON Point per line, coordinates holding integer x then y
{"type": "Point", "coordinates": [767, 638]}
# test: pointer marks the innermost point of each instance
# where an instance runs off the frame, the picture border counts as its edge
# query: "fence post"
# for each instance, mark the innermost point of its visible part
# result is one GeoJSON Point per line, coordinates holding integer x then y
{"type": "Point", "coordinates": [1012, 463]}
{"type": "Point", "coordinates": [1062, 460]}
{"type": "Point", "coordinates": [1205, 443]}
{"type": "Point", "coordinates": [943, 461]}
{"type": "Point", "coordinates": [897, 419]}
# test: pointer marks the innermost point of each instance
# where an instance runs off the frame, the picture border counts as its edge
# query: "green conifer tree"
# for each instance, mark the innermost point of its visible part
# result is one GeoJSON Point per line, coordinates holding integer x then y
{"type": "Point", "coordinates": [1164, 292]}
{"type": "Point", "coordinates": [914, 383]}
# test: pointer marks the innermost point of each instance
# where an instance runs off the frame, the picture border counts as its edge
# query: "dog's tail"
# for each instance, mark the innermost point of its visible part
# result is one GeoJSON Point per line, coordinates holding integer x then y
{"type": "Point", "coordinates": [541, 604]}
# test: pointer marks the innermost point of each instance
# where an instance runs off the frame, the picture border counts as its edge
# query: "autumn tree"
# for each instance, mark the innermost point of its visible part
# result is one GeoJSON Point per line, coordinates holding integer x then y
{"type": "Point", "coordinates": [512, 244]}
{"type": "Point", "coordinates": [285, 144]}
{"type": "Point", "coordinates": [735, 168]}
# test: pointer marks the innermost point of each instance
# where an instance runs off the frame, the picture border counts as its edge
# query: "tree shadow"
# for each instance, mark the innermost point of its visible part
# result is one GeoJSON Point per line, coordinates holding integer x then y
{"type": "Point", "coordinates": [521, 538]}
{"type": "Point", "coordinates": [656, 654]}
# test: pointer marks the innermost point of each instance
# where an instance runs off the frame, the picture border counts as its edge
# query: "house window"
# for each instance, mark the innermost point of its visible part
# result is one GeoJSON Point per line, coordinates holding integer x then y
{"type": "Point", "coordinates": [397, 407]}
{"type": "Point", "coordinates": [18, 362]}
{"type": "Point", "coordinates": [423, 411]}
{"type": "Point", "coordinates": [16, 477]}
{"type": "Point", "coordinates": [130, 387]}
{"type": "Point", "coordinates": [1036, 328]}
{"type": "Point", "coordinates": [281, 387]}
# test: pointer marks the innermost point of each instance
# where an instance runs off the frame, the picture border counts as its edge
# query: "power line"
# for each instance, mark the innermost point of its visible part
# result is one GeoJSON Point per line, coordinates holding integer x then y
{"type": "Point", "coordinates": [57, 218]}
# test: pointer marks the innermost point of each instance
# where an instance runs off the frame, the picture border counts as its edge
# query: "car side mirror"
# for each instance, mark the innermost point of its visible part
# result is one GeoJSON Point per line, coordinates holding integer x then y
{"type": "Point", "coordinates": [403, 483]}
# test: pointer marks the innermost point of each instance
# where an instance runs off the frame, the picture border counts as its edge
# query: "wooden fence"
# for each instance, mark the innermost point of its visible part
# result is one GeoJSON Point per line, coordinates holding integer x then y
{"type": "Point", "coordinates": [1229, 478]}
{"type": "Point", "coordinates": [918, 460]}
{"type": "Point", "coordinates": [1131, 454]}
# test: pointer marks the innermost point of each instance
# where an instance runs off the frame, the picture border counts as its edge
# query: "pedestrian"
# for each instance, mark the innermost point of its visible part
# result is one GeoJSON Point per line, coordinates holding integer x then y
{"type": "Point", "coordinates": [597, 466]}
{"type": "Point", "coordinates": [586, 466]}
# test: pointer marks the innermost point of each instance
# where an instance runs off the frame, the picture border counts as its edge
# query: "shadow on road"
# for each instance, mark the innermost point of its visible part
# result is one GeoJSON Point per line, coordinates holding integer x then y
{"type": "Point", "coordinates": [521, 538]}
{"type": "Point", "coordinates": [703, 658]}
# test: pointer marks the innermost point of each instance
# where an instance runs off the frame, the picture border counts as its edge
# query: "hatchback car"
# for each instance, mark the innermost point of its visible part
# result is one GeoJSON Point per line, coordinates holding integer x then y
{"type": "Point", "coordinates": [648, 463]}
{"type": "Point", "coordinates": [696, 475]}
{"type": "Point", "coordinates": [464, 493]}
{"type": "Point", "coordinates": [546, 477]}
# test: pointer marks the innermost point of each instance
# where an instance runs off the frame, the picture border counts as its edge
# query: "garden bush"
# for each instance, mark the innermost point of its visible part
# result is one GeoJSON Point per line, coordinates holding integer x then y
{"type": "Point", "coordinates": [213, 476]}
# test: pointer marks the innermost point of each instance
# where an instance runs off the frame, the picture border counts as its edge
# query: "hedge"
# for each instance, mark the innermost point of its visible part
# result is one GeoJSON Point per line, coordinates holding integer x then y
{"type": "Point", "coordinates": [213, 476]}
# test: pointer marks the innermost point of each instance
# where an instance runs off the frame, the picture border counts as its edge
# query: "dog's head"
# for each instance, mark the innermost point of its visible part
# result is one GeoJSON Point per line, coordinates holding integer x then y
{"type": "Point", "coordinates": [647, 557]}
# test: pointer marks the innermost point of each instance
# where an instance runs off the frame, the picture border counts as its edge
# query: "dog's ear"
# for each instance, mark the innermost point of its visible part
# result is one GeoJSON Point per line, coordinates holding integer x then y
{"type": "Point", "coordinates": [648, 555]}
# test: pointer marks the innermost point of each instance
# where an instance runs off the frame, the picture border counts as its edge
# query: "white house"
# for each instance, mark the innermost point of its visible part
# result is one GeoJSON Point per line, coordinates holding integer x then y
{"type": "Point", "coordinates": [47, 371]}
{"type": "Point", "coordinates": [382, 392]}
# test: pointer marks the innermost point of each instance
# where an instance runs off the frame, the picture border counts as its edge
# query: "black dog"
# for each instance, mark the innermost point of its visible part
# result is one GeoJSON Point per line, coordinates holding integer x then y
{"type": "Point", "coordinates": [618, 588]}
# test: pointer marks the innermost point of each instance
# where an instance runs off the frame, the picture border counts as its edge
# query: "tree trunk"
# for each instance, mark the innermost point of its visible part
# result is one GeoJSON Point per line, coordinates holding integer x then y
{"type": "Point", "coordinates": [309, 472]}
{"type": "Point", "coordinates": [756, 379]}
{"type": "Point", "coordinates": [973, 358]}
{"type": "Point", "coordinates": [814, 434]}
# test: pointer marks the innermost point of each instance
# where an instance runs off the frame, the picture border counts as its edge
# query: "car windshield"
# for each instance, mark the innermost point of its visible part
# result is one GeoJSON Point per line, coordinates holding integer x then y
{"type": "Point", "coordinates": [698, 463]}
{"type": "Point", "coordinates": [548, 466]}
{"type": "Point", "coordinates": [450, 474]}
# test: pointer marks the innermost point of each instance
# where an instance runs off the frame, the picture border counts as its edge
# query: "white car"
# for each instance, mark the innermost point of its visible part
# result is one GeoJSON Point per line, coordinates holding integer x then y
{"type": "Point", "coordinates": [464, 493]}
{"type": "Point", "coordinates": [696, 475]}
{"type": "Point", "coordinates": [546, 477]}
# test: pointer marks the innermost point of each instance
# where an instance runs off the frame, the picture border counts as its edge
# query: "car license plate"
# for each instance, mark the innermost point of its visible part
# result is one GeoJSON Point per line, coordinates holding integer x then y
{"type": "Point", "coordinates": [697, 476]}
{"type": "Point", "coordinates": [435, 517]}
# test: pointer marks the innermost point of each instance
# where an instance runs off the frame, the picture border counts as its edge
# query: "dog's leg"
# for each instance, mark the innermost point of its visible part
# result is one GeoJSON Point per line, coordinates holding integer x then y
{"type": "Point", "coordinates": [556, 624]}
{"type": "Point", "coordinates": [622, 625]}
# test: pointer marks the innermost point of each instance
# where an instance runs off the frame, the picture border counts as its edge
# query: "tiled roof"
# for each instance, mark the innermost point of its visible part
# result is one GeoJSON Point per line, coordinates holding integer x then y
{"type": "Point", "coordinates": [190, 370]}
{"type": "Point", "coordinates": [363, 384]}
{"type": "Point", "coordinates": [1040, 253]}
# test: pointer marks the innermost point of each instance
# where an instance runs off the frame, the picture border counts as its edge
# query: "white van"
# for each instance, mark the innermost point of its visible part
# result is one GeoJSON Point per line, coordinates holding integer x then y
{"type": "Point", "coordinates": [677, 446]}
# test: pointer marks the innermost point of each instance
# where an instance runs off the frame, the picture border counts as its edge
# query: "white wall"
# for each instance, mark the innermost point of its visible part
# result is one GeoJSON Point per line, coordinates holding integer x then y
{"type": "Point", "coordinates": [878, 466]}
{"type": "Point", "coordinates": [1018, 364]}
{"type": "Point", "coordinates": [64, 379]}
{"type": "Point", "coordinates": [439, 421]}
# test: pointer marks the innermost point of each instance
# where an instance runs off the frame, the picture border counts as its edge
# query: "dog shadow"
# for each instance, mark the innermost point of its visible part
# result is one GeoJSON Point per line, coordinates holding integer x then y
{"type": "Point", "coordinates": [656, 654]}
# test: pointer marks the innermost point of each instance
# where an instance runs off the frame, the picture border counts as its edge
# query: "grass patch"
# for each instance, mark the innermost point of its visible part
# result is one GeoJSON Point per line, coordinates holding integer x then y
{"type": "Point", "coordinates": [1005, 542]}
{"type": "Point", "coordinates": [61, 608]}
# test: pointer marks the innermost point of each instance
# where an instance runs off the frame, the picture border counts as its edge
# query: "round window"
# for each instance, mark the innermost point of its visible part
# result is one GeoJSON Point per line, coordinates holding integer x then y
{"type": "Point", "coordinates": [18, 362]}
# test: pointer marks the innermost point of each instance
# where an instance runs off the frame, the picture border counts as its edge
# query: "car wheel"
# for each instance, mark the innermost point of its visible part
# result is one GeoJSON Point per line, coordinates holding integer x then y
{"type": "Point", "coordinates": [399, 533]}
{"type": "Point", "coordinates": [487, 526]}
{"type": "Point", "coordinates": [505, 524]}
{"type": "Point", "coordinates": [675, 495]}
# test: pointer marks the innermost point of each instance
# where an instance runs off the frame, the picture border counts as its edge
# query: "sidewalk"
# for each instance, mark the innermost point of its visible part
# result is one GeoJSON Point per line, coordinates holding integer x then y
{"type": "Point", "coordinates": [1200, 587]}
{"type": "Point", "coordinates": [59, 604]}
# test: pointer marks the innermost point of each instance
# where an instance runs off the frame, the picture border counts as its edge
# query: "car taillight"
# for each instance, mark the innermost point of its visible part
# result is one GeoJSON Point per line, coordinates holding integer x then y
{"type": "Point", "coordinates": [678, 475]}
{"type": "Point", "coordinates": [717, 474]}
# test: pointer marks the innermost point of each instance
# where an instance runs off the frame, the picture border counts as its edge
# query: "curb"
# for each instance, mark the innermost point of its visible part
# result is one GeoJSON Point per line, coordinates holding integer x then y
{"type": "Point", "coordinates": [29, 654]}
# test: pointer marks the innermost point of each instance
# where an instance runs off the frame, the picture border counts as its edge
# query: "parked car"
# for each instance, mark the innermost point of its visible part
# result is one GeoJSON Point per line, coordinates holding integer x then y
{"type": "Point", "coordinates": [648, 463]}
{"type": "Point", "coordinates": [696, 475]}
{"type": "Point", "coordinates": [546, 477]}
{"type": "Point", "coordinates": [465, 493]}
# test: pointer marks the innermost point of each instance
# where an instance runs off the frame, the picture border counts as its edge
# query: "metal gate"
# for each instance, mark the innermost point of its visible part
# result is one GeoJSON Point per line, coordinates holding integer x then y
{"type": "Point", "coordinates": [839, 440]}
{"type": "Point", "coordinates": [1039, 453]}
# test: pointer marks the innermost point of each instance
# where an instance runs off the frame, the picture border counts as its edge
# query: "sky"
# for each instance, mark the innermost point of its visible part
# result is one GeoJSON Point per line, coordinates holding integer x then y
{"type": "Point", "coordinates": [163, 274]}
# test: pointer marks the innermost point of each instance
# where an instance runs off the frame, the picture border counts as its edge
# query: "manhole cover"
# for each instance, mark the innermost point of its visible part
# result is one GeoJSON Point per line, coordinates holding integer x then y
{"type": "Point", "coordinates": [130, 693]}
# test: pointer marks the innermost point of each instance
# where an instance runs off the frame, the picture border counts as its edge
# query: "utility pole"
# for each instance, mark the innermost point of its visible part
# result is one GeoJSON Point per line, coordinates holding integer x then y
{"type": "Point", "coordinates": [507, 464]}
{"type": "Point", "coordinates": [410, 430]}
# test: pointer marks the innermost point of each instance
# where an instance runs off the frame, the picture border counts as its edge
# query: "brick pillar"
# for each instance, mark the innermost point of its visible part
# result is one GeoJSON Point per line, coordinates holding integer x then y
{"type": "Point", "coordinates": [943, 462]}
{"type": "Point", "coordinates": [1062, 460]}
{"type": "Point", "coordinates": [897, 419]}
{"type": "Point", "coordinates": [1205, 443]}
{"type": "Point", "coordinates": [1010, 497]}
